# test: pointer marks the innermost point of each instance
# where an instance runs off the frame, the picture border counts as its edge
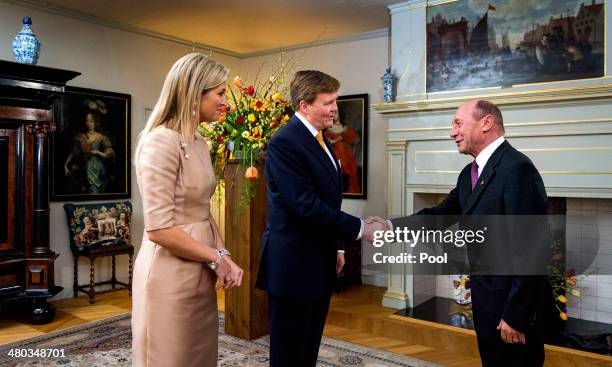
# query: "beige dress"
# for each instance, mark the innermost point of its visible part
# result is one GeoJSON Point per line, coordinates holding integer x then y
{"type": "Point", "coordinates": [174, 312]}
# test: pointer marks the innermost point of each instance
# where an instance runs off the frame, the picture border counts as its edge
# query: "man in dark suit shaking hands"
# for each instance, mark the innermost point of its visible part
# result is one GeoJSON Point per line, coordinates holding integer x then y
{"type": "Point", "coordinates": [510, 300]}
{"type": "Point", "coordinates": [302, 245]}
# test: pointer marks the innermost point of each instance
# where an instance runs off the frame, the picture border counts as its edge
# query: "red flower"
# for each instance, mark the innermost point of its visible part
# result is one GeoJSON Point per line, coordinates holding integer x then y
{"type": "Point", "coordinates": [570, 273]}
{"type": "Point", "coordinates": [220, 139]}
{"type": "Point", "coordinates": [240, 120]}
{"type": "Point", "coordinates": [259, 104]}
{"type": "Point", "coordinates": [250, 90]}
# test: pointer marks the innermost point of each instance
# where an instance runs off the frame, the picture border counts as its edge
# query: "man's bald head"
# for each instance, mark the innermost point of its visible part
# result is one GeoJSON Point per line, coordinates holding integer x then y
{"type": "Point", "coordinates": [476, 124]}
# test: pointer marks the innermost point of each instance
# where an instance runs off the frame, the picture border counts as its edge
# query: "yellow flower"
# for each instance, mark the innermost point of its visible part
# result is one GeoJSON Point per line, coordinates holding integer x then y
{"type": "Point", "coordinates": [286, 118]}
{"type": "Point", "coordinates": [251, 118]}
{"type": "Point", "coordinates": [221, 149]}
{"type": "Point", "coordinates": [234, 133]}
{"type": "Point", "coordinates": [245, 134]}
{"type": "Point", "coordinates": [257, 104]}
{"type": "Point", "coordinates": [575, 292]}
{"type": "Point", "coordinates": [562, 299]}
{"type": "Point", "coordinates": [276, 96]}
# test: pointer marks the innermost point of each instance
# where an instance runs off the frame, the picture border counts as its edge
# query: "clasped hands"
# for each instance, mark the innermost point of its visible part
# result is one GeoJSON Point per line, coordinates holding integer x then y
{"type": "Point", "coordinates": [373, 224]}
{"type": "Point", "coordinates": [228, 274]}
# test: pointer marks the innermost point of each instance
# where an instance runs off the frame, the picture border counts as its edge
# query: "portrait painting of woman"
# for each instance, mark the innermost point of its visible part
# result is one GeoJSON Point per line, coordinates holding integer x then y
{"type": "Point", "coordinates": [90, 158]}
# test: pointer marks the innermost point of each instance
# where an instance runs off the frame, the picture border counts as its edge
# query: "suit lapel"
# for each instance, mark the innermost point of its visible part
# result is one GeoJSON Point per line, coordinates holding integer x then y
{"type": "Point", "coordinates": [313, 145]}
{"type": "Point", "coordinates": [338, 170]}
{"type": "Point", "coordinates": [330, 147]}
{"type": "Point", "coordinates": [464, 185]}
{"type": "Point", "coordinates": [485, 177]}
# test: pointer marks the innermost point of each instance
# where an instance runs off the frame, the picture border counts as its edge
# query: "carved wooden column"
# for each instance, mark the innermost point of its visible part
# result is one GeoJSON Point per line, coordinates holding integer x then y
{"type": "Point", "coordinates": [29, 99]}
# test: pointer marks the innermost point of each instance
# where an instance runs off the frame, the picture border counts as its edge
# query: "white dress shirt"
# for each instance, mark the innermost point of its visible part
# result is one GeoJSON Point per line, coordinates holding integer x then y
{"type": "Point", "coordinates": [314, 133]}
{"type": "Point", "coordinates": [483, 157]}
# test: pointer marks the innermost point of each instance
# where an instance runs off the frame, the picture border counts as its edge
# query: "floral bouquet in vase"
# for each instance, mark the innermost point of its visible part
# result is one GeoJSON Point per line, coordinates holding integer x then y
{"type": "Point", "coordinates": [256, 111]}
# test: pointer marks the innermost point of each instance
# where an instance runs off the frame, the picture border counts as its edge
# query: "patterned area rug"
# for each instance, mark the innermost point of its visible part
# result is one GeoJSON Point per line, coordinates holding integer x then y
{"type": "Point", "coordinates": [108, 342]}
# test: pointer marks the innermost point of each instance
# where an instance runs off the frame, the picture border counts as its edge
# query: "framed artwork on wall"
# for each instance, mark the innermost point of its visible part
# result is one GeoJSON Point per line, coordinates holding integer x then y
{"type": "Point", "coordinates": [348, 137]}
{"type": "Point", "coordinates": [90, 150]}
{"type": "Point", "coordinates": [500, 43]}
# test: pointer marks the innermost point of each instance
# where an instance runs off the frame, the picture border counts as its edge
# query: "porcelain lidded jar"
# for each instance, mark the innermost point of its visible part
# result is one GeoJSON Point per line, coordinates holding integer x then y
{"type": "Point", "coordinates": [388, 83]}
{"type": "Point", "coordinates": [26, 46]}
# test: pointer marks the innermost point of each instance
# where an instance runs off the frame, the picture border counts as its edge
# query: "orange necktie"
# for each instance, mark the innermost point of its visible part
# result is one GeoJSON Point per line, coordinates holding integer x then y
{"type": "Point", "coordinates": [320, 139]}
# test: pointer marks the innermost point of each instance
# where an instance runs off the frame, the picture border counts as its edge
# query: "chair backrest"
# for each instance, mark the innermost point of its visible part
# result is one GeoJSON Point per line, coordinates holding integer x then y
{"type": "Point", "coordinates": [92, 224]}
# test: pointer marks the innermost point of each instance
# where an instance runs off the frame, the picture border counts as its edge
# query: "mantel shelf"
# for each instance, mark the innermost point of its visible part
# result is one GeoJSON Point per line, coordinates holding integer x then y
{"type": "Point", "coordinates": [503, 98]}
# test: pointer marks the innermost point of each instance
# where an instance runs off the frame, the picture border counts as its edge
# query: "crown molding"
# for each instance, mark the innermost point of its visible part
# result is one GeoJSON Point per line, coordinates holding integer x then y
{"type": "Point", "coordinates": [383, 32]}
{"type": "Point", "coordinates": [88, 18]}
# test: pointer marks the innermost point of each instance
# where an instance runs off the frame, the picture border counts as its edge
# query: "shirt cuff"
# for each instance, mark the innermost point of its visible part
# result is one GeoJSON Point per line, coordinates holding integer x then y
{"type": "Point", "coordinates": [360, 230]}
{"type": "Point", "coordinates": [390, 225]}
{"type": "Point", "coordinates": [341, 251]}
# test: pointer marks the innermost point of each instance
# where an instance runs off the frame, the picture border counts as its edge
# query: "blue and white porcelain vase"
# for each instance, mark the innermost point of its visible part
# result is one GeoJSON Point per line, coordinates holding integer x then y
{"type": "Point", "coordinates": [26, 46]}
{"type": "Point", "coordinates": [388, 83]}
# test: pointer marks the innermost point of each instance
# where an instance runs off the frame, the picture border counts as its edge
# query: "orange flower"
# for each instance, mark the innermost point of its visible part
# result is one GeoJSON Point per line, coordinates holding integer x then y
{"type": "Point", "coordinates": [238, 82]}
{"type": "Point", "coordinates": [251, 173]}
{"type": "Point", "coordinates": [571, 282]}
{"type": "Point", "coordinates": [563, 316]}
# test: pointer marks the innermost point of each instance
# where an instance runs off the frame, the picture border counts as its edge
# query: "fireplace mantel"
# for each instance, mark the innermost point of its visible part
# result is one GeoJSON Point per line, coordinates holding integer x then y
{"type": "Point", "coordinates": [564, 127]}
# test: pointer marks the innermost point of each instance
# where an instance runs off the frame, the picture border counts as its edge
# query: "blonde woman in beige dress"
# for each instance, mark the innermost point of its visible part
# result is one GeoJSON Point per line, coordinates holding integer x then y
{"type": "Point", "coordinates": [174, 312]}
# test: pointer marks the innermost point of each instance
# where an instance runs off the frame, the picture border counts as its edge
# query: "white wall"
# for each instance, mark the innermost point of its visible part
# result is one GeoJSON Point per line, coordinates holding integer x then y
{"type": "Point", "coordinates": [124, 62]}
{"type": "Point", "coordinates": [358, 65]}
{"type": "Point", "coordinates": [109, 60]}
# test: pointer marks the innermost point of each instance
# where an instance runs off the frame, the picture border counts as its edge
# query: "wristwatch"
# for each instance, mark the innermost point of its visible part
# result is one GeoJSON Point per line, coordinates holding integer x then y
{"type": "Point", "coordinates": [213, 265]}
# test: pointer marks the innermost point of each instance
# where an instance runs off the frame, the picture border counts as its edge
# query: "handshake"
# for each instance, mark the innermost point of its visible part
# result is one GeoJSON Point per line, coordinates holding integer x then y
{"type": "Point", "coordinates": [373, 224]}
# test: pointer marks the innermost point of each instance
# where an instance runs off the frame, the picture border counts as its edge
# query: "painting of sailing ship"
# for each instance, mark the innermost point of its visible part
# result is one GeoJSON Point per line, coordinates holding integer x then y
{"type": "Point", "coordinates": [490, 43]}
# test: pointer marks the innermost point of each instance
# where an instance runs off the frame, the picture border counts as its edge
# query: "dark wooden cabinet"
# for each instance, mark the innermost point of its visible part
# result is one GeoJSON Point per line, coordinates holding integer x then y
{"type": "Point", "coordinates": [29, 98]}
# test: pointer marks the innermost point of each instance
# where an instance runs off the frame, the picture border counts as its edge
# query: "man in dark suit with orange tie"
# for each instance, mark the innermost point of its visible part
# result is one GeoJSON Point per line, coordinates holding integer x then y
{"type": "Point", "coordinates": [302, 245]}
{"type": "Point", "coordinates": [503, 190]}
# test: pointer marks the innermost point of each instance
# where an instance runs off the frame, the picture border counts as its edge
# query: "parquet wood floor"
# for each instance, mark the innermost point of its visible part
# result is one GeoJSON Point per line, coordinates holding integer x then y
{"type": "Point", "coordinates": [355, 315]}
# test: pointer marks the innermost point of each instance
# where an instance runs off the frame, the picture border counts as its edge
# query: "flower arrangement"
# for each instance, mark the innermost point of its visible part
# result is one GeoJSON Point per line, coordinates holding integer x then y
{"type": "Point", "coordinates": [563, 284]}
{"type": "Point", "coordinates": [256, 111]}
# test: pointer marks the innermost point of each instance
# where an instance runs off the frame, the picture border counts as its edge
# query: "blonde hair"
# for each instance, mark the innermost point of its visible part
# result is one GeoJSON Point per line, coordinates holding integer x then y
{"type": "Point", "coordinates": [178, 106]}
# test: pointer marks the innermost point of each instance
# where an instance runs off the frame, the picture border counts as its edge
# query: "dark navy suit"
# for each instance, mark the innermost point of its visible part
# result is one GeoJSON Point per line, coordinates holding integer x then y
{"type": "Point", "coordinates": [509, 186]}
{"type": "Point", "coordinates": [304, 229]}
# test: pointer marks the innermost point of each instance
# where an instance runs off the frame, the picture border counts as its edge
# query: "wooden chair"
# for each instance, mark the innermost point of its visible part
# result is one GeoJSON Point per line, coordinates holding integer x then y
{"type": "Point", "coordinates": [100, 230]}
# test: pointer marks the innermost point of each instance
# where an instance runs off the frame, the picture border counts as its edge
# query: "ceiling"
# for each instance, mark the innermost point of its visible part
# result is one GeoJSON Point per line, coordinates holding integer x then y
{"type": "Point", "coordinates": [238, 26]}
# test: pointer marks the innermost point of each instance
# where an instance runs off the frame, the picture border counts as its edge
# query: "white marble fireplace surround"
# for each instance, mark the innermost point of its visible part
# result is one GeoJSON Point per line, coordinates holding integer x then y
{"type": "Point", "coordinates": [564, 127]}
